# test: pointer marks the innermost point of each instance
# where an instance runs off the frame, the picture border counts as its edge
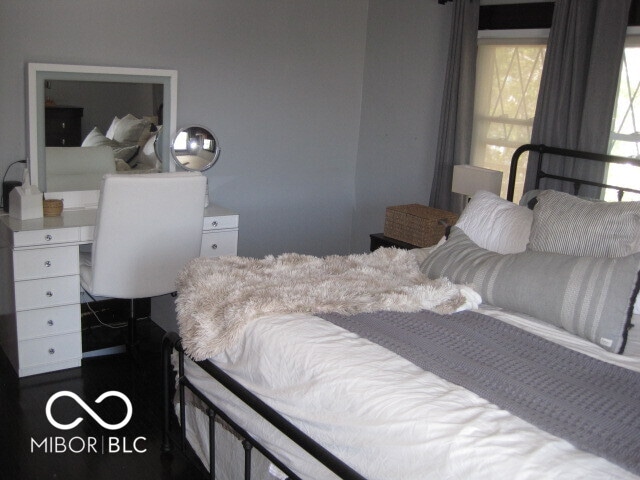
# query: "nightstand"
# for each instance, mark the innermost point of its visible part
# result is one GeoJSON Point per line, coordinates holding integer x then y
{"type": "Point", "coordinates": [379, 240]}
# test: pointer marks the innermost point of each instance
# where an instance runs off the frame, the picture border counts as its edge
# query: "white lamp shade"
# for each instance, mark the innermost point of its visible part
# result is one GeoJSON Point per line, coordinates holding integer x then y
{"type": "Point", "coordinates": [468, 179]}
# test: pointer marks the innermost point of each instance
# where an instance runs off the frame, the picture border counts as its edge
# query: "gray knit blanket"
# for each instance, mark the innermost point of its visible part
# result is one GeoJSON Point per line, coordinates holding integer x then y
{"type": "Point", "coordinates": [592, 404]}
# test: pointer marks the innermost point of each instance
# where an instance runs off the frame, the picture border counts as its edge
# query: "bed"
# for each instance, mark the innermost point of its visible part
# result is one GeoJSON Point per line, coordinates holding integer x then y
{"type": "Point", "coordinates": [507, 355]}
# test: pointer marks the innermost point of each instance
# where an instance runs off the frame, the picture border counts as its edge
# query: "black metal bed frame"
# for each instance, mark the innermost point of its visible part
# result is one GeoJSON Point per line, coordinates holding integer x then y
{"type": "Point", "coordinates": [541, 150]}
{"type": "Point", "coordinates": [170, 343]}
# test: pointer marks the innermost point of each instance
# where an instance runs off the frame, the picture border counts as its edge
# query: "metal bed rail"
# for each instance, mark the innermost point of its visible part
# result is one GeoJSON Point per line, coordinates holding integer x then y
{"type": "Point", "coordinates": [541, 150]}
{"type": "Point", "coordinates": [171, 342]}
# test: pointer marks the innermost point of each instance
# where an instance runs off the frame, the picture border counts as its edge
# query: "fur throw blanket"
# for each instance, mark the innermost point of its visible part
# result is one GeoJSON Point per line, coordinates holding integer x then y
{"type": "Point", "coordinates": [217, 297]}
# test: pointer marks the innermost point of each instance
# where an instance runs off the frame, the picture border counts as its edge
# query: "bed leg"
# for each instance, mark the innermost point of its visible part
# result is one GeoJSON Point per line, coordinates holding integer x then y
{"type": "Point", "coordinates": [212, 443]}
{"type": "Point", "coordinates": [247, 459]}
{"type": "Point", "coordinates": [168, 342]}
{"type": "Point", "coordinates": [183, 408]}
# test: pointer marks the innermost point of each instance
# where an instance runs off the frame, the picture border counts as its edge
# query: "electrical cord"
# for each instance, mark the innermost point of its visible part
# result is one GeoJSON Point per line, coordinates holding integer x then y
{"type": "Point", "coordinates": [95, 314]}
{"type": "Point", "coordinates": [101, 322]}
{"type": "Point", "coordinates": [5, 176]}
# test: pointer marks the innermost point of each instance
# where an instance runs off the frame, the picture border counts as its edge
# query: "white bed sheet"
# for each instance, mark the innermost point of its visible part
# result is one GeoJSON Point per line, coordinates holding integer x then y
{"type": "Point", "coordinates": [383, 415]}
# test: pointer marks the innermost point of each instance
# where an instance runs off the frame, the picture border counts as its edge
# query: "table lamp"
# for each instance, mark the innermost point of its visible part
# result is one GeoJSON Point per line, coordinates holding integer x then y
{"type": "Point", "coordinates": [468, 179]}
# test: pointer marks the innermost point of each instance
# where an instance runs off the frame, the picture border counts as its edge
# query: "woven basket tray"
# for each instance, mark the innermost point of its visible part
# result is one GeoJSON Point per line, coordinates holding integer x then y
{"type": "Point", "coordinates": [52, 208]}
{"type": "Point", "coordinates": [416, 224]}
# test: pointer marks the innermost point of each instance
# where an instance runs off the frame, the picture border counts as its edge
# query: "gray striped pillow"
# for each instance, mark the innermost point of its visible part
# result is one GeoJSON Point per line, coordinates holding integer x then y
{"type": "Point", "coordinates": [569, 225]}
{"type": "Point", "coordinates": [589, 297]}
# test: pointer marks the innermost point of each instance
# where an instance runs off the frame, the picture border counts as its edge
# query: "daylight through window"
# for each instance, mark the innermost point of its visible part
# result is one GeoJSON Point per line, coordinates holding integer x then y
{"type": "Point", "coordinates": [508, 73]}
{"type": "Point", "coordinates": [625, 128]}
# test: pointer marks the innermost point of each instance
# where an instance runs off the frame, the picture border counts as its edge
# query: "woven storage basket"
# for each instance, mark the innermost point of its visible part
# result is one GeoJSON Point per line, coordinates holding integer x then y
{"type": "Point", "coordinates": [52, 208]}
{"type": "Point", "coordinates": [416, 224]}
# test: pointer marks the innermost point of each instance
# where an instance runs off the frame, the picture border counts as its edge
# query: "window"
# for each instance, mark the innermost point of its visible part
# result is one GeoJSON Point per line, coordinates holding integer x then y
{"type": "Point", "coordinates": [507, 83]}
{"type": "Point", "coordinates": [508, 73]}
{"type": "Point", "coordinates": [625, 127]}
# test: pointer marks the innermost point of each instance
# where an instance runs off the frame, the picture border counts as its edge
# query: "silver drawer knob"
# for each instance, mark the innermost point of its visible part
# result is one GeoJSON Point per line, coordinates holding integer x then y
{"type": "Point", "coordinates": [49, 293]}
{"type": "Point", "coordinates": [52, 351]}
{"type": "Point", "coordinates": [64, 125]}
{"type": "Point", "coordinates": [47, 263]}
{"type": "Point", "coordinates": [48, 237]}
{"type": "Point", "coordinates": [50, 323]}
{"type": "Point", "coordinates": [214, 246]}
{"type": "Point", "coordinates": [214, 223]}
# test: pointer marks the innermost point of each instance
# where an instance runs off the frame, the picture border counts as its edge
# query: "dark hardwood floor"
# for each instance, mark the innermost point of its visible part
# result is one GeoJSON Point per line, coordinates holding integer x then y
{"type": "Point", "coordinates": [32, 448]}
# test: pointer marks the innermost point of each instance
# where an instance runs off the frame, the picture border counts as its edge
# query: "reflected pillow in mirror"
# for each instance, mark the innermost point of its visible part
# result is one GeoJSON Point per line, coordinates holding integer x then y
{"type": "Point", "coordinates": [122, 166]}
{"type": "Point", "coordinates": [95, 138]}
{"type": "Point", "coordinates": [147, 158]}
{"type": "Point", "coordinates": [112, 128]}
{"type": "Point", "coordinates": [125, 152]}
{"type": "Point", "coordinates": [129, 129]}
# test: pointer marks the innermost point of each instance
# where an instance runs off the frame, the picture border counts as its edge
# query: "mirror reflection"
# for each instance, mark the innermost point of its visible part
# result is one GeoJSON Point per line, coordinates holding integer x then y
{"type": "Point", "coordinates": [125, 117]}
{"type": "Point", "coordinates": [87, 120]}
{"type": "Point", "coordinates": [195, 148]}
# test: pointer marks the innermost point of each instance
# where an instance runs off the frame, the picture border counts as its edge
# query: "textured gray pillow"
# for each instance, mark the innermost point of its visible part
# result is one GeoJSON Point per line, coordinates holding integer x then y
{"type": "Point", "coordinates": [569, 225]}
{"type": "Point", "coordinates": [589, 297]}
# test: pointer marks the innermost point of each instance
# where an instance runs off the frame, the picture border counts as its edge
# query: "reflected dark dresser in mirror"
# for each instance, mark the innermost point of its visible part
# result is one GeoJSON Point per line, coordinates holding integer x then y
{"type": "Point", "coordinates": [63, 126]}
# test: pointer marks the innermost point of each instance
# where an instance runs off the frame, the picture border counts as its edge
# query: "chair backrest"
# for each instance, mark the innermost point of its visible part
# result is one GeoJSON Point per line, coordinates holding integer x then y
{"type": "Point", "coordinates": [148, 227]}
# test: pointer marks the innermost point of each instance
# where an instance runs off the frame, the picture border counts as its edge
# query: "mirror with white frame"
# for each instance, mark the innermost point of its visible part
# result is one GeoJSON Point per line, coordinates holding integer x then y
{"type": "Point", "coordinates": [195, 148]}
{"type": "Point", "coordinates": [83, 164]}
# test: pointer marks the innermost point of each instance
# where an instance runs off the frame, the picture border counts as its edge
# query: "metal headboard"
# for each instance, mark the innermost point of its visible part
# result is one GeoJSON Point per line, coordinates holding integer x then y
{"type": "Point", "coordinates": [577, 183]}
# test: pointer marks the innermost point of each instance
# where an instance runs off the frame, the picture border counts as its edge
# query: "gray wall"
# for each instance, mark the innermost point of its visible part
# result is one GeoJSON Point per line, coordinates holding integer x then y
{"type": "Point", "coordinates": [406, 57]}
{"type": "Point", "coordinates": [326, 110]}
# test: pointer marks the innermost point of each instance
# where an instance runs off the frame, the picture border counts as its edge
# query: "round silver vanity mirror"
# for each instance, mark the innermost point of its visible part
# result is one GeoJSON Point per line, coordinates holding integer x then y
{"type": "Point", "coordinates": [195, 148]}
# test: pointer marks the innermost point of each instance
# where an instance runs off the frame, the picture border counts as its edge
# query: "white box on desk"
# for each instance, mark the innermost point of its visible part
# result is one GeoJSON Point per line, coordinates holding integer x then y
{"type": "Point", "coordinates": [25, 203]}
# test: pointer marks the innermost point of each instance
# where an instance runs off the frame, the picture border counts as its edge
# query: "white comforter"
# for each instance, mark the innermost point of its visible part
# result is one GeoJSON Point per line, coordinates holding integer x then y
{"type": "Point", "coordinates": [386, 417]}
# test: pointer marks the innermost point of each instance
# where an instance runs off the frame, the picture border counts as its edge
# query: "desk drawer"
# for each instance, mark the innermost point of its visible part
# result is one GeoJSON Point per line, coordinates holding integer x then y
{"type": "Point", "coordinates": [216, 244]}
{"type": "Point", "coordinates": [220, 222]}
{"type": "Point", "coordinates": [44, 322]}
{"type": "Point", "coordinates": [45, 237]}
{"type": "Point", "coordinates": [47, 292]}
{"type": "Point", "coordinates": [45, 262]}
{"type": "Point", "coordinates": [57, 348]}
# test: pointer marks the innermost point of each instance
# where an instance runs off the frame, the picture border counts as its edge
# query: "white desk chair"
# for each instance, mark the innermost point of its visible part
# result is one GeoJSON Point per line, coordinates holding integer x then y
{"type": "Point", "coordinates": [148, 227]}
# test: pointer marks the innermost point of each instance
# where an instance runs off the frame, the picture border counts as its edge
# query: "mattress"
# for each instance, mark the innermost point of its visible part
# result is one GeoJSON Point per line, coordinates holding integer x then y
{"type": "Point", "coordinates": [383, 415]}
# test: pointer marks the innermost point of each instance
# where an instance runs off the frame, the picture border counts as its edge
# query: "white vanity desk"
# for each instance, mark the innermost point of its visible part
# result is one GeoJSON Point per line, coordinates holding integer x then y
{"type": "Point", "coordinates": [40, 329]}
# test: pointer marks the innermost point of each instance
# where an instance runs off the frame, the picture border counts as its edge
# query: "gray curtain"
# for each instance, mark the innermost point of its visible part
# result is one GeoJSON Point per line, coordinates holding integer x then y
{"type": "Point", "coordinates": [456, 117]}
{"type": "Point", "coordinates": [578, 86]}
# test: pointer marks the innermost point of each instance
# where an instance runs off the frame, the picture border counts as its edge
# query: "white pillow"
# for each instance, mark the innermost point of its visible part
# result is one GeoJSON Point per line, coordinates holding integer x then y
{"type": "Point", "coordinates": [123, 151]}
{"type": "Point", "coordinates": [122, 166]}
{"type": "Point", "coordinates": [129, 129]}
{"type": "Point", "coordinates": [496, 224]}
{"type": "Point", "coordinates": [112, 128]}
{"type": "Point", "coordinates": [96, 138]}
{"type": "Point", "coordinates": [147, 154]}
